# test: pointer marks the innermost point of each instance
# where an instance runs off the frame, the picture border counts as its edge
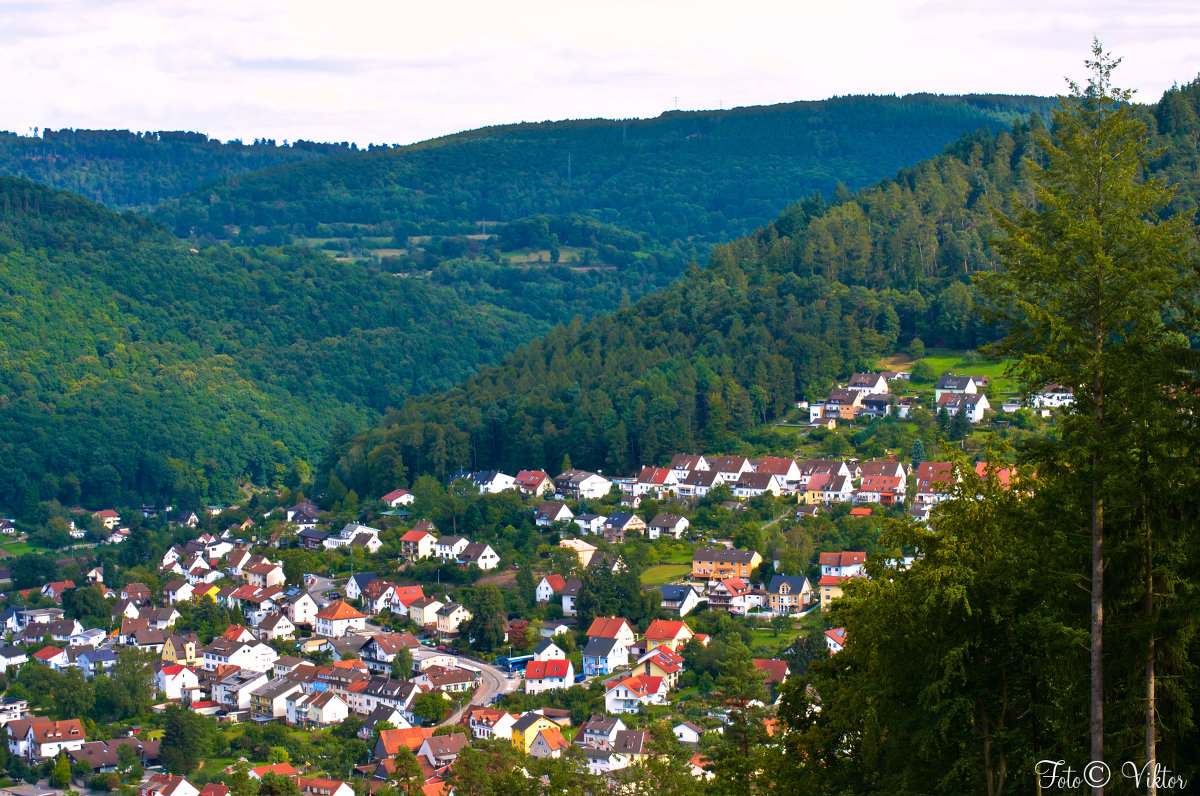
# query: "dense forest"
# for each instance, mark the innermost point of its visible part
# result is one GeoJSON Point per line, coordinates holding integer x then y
{"type": "Point", "coordinates": [123, 169]}
{"type": "Point", "coordinates": [705, 175]}
{"type": "Point", "coordinates": [825, 289]}
{"type": "Point", "coordinates": [131, 365]}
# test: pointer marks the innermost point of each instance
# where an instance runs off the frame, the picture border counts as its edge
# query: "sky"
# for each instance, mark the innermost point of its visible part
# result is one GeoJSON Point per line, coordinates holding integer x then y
{"type": "Point", "coordinates": [395, 72]}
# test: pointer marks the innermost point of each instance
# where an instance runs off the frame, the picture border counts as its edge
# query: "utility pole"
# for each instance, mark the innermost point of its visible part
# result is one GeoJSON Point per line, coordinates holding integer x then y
{"type": "Point", "coordinates": [676, 102]}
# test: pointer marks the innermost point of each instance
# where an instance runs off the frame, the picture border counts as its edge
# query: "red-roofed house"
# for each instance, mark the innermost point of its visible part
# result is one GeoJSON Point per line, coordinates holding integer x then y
{"type": "Point", "coordinates": [316, 786]}
{"type": "Point", "coordinates": [629, 694]}
{"type": "Point", "coordinates": [548, 675]}
{"type": "Point", "coordinates": [548, 742]}
{"type": "Point", "coordinates": [534, 482]}
{"type": "Point", "coordinates": [655, 481]}
{"type": "Point", "coordinates": [399, 497]}
{"type": "Point", "coordinates": [660, 662]}
{"type": "Point", "coordinates": [672, 634]}
{"type": "Point", "coordinates": [52, 657]}
{"type": "Point", "coordinates": [417, 544]}
{"type": "Point", "coordinates": [163, 784]}
{"type": "Point", "coordinates": [404, 596]}
{"type": "Point", "coordinates": [282, 769]}
{"type": "Point", "coordinates": [612, 627]}
{"type": "Point", "coordinates": [934, 480]}
{"type": "Point", "coordinates": [774, 672]}
{"type": "Point", "coordinates": [549, 586]}
{"type": "Point", "coordinates": [843, 564]}
{"type": "Point", "coordinates": [335, 619]}
{"type": "Point", "coordinates": [830, 588]}
{"type": "Point", "coordinates": [835, 639]}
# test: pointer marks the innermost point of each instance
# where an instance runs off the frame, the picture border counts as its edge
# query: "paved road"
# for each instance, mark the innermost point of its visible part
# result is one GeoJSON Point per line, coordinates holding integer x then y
{"type": "Point", "coordinates": [492, 683]}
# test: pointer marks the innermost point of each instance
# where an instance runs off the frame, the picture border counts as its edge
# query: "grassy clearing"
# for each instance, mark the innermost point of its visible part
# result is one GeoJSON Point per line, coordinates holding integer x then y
{"type": "Point", "coordinates": [665, 573]}
{"type": "Point", "coordinates": [21, 548]}
{"type": "Point", "coordinates": [959, 362]}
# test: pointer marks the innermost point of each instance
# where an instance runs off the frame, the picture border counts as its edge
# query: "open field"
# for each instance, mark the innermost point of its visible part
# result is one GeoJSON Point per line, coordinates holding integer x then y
{"type": "Point", "coordinates": [21, 548]}
{"type": "Point", "coordinates": [665, 573]}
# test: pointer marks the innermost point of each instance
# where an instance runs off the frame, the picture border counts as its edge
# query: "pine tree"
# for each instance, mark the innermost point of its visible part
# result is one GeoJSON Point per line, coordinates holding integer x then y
{"type": "Point", "coordinates": [1096, 294]}
{"type": "Point", "coordinates": [918, 452]}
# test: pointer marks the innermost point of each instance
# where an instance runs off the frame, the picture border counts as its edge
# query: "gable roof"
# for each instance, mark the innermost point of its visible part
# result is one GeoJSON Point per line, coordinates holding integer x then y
{"type": "Point", "coordinates": [339, 609]}
{"type": "Point", "coordinates": [607, 627]}
{"type": "Point", "coordinates": [539, 670]}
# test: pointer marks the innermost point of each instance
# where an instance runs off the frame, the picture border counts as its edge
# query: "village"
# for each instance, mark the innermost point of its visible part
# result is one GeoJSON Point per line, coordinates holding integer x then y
{"type": "Point", "coordinates": [585, 610]}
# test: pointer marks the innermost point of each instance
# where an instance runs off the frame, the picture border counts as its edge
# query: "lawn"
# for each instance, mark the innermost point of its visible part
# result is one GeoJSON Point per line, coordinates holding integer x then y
{"type": "Point", "coordinates": [665, 573]}
{"type": "Point", "coordinates": [21, 548]}
{"type": "Point", "coordinates": [961, 363]}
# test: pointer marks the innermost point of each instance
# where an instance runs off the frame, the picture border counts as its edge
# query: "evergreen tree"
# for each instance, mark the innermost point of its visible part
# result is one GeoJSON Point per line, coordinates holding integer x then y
{"type": "Point", "coordinates": [485, 628]}
{"type": "Point", "coordinates": [918, 452]}
{"type": "Point", "coordinates": [1096, 294]}
{"type": "Point", "coordinates": [61, 777]}
{"type": "Point", "coordinates": [737, 753]}
{"type": "Point", "coordinates": [408, 776]}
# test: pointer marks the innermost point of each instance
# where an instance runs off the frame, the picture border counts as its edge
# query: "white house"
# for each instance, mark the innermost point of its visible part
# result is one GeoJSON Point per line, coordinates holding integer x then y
{"type": "Point", "coordinates": [399, 497]}
{"type": "Point", "coordinates": [548, 675]}
{"type": "Point", "coordinates": [174, 679]}
{"type": "Point", "coordinates": [628, 695]}
{"type": "Point", "coordinates": [337, 619]}
{"type": "Point", "coordinates": [673, 525]}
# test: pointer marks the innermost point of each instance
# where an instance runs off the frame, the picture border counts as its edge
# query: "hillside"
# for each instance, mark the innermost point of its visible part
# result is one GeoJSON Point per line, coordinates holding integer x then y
{"type": "Point", "coordinates": [776, 316]}
{"type": "Point", "coordinates": [690, 176]}
{"type": "Point", "coordinates": [123, 169]}
{"type": "Point", "coordinates": [133, 367]}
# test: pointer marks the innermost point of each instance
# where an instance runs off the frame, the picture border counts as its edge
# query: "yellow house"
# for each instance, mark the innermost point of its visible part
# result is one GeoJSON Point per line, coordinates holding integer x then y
{"type": "Point", "coordinates": [177, 649]}
{"type": "Point", "coordinates": [831, 588]}
{"type": "Point", "coordinates": [208, 590]}
{"type": "Point", "coordinates": [660, 662]}
{"type": "Point", "coordinates": [525, 730]}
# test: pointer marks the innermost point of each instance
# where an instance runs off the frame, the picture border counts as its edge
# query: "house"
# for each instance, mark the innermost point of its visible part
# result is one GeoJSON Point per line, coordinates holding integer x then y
{"type": "Point", "coordinates": [548, 675]}
{"type": "Point", "coordinates": [1053, 396]}
{"type": "Point", "coordinates": [876, 406]}
{"type": "Point", "coordinates": [377, 596]}
{"type": "Point", "coordinates": [830, 588]}
{"type": "Point", "coordinates": [442, 750]}
{"type": "Point", "coordinates": [95, 661]}
{"type": "Point", "coordinates": [687, 733]}
{"type": "Point", "coordinates": [629, 694]}
{"type": "Point", "coordinates": [972, 405]}
{"type": "Point", "coordinates": [788, 594]}
{"type": "Point", "coordinates": [717, 564]}
{"type": "Point", "coordinates": [550, 512]}
{"type": "Point", "coordinates": [318, 709]}
{"type": "Point", "coordinates": [774, 672]}
{"type": "Point", "coordinates": [53, 657]}
{"type": "Point", "coordinates": [163, 784]}
{"type": "Point", "coordinates": [301, 608]}
{"type": "Point", "coordinates": [679, 600]}
{"type": "Point", "coordinates": [840, 404]}
{"type": "Point", "coordinates": [399, 497]}
{"type": "Point", "coordinates": [934, 481]}
{"type": "Point", "coordinates": [883, 482]}
{"type": "Point", "coordinates": [450, 616]}
{"type": "Point", "coordinates": [448, 548]}
{"type": "Point", "coordinates": [11, 655]}
{"type": "Point", "coordinates": [269, 700]}
{"type": "Point", "coordinates": [355, 535]}
{"type": "Point", "coordinates": [657, 482]}
{"type": "Point", "coordinates": [232, 689]}
{"type": "Point", "coordinates": [844, 564]}
{"type": "Point", "coordinates": [526, 728]}
{"type": "Point", "coordinates": [549, 587]}
{"type": "Point", "coordinates": [787, 470]}
{"type": "Point", "coordinates": [479, 554]}
{"type": "Point", "coordinates": [599, 731]}
{"type": "Point", "coordinates": [417, 545]}
{"type": "Point", "coordinates": [752, 485]}
{"type": "Point", "coordinates": [534, 482]}
{"type": "Point", "coordinates": [731, 595]}
{"type": "Point", "coordinates": [310, 538]}
{"type": "Point", "coordinates": [54, 591]}
{"type": "Point", "coordinates": [338, 618]}
{"type": "Point", "coordinates": [590, 523]}
{"type": "Point", "coordinates": [357, 582]}
{"type": "Point", "coordinates": [669, 633]}
{"type": "Point", "coordinates": [569, 593]}
{"type": "Point", "coordinates": [317, 786]}
{"type": "Point", "coordinates": [548, 743]}
{"type": "Point", "coordinates": [582, 485]}
{"type": "Point", "coordinates": [672, 525]}
{"type": "Point", "coordinates": [108, 517]}
{"type": "Point", "coordinates": [265, 574]}
{"type": "Point", "coordinates": [547, 650]}
{"type": "Point", "coordinates": [404, 596]}
{"type": "Point", "coordinates": [581, 548]}
{"type": "Point", "coordinates": [423, 611]}
{"type": "Point", "coordinates": [618, 525]}
{"type": "Point", "coordinates": [176, 679]}
{"type": "Point", "coordinates": [379, 652]}
{"type": "Point", "coordinates": [275, 625]}
{"type": "Point", "coordinates": [868, 383]}
{"type": "Point", "coordinates": [661, 662]}
{"type": "Point", "coordinates": [252, 655]}
{"type": "Point", "coordinates": [488, 482]}
{"type": "Point", "coordinates": [45, 739]}
{"type": "Point", "coordinates": [612, 627]}
{"type": "Point", "coordinates": [957, 385]}
{"type": "Point", "coordinates": [698, 483]}
{"type": "Point", "coordinates": [835, 640]}
{"type": "Point", "coordinates": [487, 723]}
{"type": "Point", "coordinates": [601, 656]}
{"type": "Point", "coordinates": [182, 648]}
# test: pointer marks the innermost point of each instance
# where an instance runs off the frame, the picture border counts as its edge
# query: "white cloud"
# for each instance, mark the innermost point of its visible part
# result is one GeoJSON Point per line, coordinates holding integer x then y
{"type": "Point", "coordinates": [382, 71]}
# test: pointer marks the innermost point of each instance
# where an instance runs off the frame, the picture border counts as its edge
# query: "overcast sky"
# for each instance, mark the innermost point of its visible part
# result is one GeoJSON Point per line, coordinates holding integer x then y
{"type": "Point", "coordinates": [396, 71]}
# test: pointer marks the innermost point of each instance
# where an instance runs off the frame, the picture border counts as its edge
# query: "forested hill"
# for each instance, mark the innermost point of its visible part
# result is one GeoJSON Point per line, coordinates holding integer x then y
{"type": "Point", "coordinates": [123, 169]}
{"type": "Point", "coordinates": [705, 176]}
{"type": "Point", "coordinates": [133, 367]}
{"type": "Point", "coordinates": [823, 290]}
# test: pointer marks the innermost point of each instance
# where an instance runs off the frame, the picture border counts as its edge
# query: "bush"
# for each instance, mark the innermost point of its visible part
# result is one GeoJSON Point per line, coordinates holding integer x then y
{"type": "Point", "coordinates": [104, 782]}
